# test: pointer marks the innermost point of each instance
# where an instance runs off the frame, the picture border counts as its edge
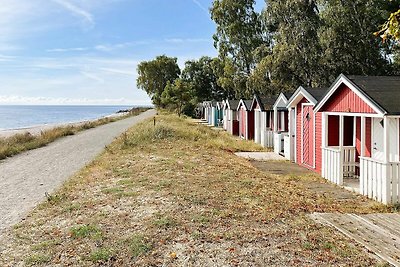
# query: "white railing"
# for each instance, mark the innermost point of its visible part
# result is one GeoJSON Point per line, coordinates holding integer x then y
{"type": "Point", "coordinates": [267, 138]}
{"type": "Point", "coordinates": [332, 165]}
{"type": "Point", "coordinates": [380, 181]}
{"type": "Point", "coordinates": [338, 163]}
{"type": "Point", "coordinates": [394, 174]}
{"type": "Point", "coordinates": [349, 162]}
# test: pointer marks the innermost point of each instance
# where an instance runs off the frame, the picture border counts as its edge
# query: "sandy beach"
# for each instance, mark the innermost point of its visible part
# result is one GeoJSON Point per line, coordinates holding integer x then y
{"type": "Point", "coordinates": [36, 130]}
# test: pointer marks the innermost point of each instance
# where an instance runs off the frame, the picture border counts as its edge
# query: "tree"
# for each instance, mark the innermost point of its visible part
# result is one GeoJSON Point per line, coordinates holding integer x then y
{"type": "Point", "coordinates": [349, 44]}
{"type": "Point", "coordinates": [295, 57]}
{"type": "Point", "coordinates": [203, 80]}
{"type": "Point", "coordinates": [239, 33]}
{"type": "Point", "coordinates": [154, 75]}
{"type": "Point", "coordinates": [176, 95]}
{"type": "Point", "coordinates": [391, 27]}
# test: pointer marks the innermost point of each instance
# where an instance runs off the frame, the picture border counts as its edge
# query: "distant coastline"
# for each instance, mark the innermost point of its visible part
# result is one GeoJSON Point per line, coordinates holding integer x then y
{"type": "Point", "coordinates": [20, 118]}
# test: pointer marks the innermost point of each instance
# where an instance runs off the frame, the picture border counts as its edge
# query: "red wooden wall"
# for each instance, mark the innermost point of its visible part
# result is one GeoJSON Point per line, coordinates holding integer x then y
{"type": "Point", "coordinates": [345, 100]}
{"type": "Point", "coordinates": [250, 125]}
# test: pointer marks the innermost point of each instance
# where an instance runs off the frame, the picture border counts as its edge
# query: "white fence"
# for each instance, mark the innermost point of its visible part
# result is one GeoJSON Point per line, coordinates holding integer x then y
{"type": "Point", "coordinates": [380, 181]}
{"type": "Point", "coordinates": [267, 138]}
{"type": "Point", "coordinates": [338, 164]}
{"type": "Point", "coordinates": [332, 165]}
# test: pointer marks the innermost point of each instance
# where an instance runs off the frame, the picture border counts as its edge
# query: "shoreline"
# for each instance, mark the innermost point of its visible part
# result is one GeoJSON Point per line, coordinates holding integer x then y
{"type": "Point", "coordinates": [37, 129]}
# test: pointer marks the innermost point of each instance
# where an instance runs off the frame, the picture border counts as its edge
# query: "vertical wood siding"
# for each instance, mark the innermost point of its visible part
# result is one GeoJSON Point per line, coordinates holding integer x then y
{"type": "Point", "coordinates": [345, 100]}
{"type": "Point", "coordinates": [308, 136]}
{"type": "Point", "coordinates": [299, 131]}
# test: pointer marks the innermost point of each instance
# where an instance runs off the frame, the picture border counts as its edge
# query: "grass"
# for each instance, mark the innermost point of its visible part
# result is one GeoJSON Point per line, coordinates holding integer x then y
{"type": "Point", "coordinates": [86, 231]}
{"type": "Point", "coordinates": [192, 203]}
{"type": "Point", "coordinates": [19, 143]}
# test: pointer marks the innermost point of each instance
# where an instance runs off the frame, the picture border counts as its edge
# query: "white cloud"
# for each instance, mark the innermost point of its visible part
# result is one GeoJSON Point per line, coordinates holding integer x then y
{"type": "Point", "coordinates": [23, 100]}
{"type": "Point", "coordinates": [77, 11]}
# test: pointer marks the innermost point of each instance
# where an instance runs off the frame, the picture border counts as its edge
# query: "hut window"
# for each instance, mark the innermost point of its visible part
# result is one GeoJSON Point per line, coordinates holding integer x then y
{"type": "Point", "coordinates": [308, 117]}
{"type": "Point", "coordinates": [382, 123]}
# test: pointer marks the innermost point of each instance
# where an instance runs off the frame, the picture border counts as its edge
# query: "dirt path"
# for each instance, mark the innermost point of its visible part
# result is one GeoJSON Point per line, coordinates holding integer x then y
{"type": "Point", "coordinates": [24, 179]}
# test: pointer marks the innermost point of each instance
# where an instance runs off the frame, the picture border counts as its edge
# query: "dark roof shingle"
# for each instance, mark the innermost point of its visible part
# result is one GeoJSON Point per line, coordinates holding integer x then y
{"type": "Point", "coordinates": [382, 90]}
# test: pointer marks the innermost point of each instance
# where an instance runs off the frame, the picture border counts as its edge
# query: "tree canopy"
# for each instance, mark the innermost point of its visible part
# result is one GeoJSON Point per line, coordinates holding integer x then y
{"type": "Point", "coordinates": [288, 44]}
{"type": "Point", "coordinates": [155, 74]}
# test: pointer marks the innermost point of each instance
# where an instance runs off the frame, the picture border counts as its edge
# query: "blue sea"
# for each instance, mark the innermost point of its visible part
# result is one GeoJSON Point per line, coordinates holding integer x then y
{"type": "Point", "coordinates": [17, 117]}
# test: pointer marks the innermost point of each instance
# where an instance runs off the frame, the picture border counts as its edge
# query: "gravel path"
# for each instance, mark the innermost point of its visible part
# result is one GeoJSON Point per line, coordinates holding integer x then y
{"type": "Point", "coordinates": [24, 179]}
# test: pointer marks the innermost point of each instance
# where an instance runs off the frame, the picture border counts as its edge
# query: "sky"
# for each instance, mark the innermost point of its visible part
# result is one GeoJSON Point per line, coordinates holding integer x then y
{"type": "Point", "coordinates": [85, 52]}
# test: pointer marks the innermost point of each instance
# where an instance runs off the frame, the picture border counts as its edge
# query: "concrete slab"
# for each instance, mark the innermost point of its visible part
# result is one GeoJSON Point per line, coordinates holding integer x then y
{"type": "Point", "coordinates": [261, 156]}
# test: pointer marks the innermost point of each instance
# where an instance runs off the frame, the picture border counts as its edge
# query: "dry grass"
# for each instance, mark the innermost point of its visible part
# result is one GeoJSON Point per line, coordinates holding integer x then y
{"type": "Point", "coordinates": [175, 195]}
{"type": "Point", "coordinates": [19, 143]}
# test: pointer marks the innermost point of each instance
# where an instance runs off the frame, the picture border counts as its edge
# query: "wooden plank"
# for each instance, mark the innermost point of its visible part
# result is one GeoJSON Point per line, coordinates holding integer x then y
{"type": "Point", "coordinates": [379, 233]}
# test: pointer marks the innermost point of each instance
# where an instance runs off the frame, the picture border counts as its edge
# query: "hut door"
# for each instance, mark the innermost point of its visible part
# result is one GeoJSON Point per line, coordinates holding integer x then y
{"type": "Point", "coordinates": [308, 135]}
{"type": "Point", "coordinates": [377, 139]}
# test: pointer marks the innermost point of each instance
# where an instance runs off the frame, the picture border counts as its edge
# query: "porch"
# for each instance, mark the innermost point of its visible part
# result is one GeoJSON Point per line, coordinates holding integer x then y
{"type": "Point", "coordinates": [361, 152]}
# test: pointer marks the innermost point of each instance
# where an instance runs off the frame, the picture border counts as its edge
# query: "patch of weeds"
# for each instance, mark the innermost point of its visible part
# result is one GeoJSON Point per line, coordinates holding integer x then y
{"type": "Point", "coordinates": [101, 255]}
{"type": "Point", "coordinates": [72, 207]}
{"type": "Point", "coordinates": [163, 184]}
{"type": "Point", "coordinates": [163, 132]}
{"type": "Point", "coordinates": [293, 178]}
{"type": "Point", "coordinates": [307, 246]}
{"type": "Point", "coordinates": [197, 235]}
{"type": "Point", "coordinates": [126, 182]}
{"type": "Point", "coordinates": [165, 222]}
{"type": "Point", "coordinates": [328, 246]}
{"type": "Point", "coordinates": [395, 207]}
{"type": "Point", "coordinates": [54, 199]}
{"type": "Point", "coordinates": [202, 219]}
{"type": "Point", "coordinates": [45, 245]}
{"type": "Point", "coordinates": [247, 183]}
{"type": "Point", "coordinates": [123, 173]}
{"type": "Point", "coordinates": [138, 245]}
{"type": "Point", "coordinates": [112, 190]}
{"type": "Point", "coordinates": [143, 181]}
{"type": "Point", "coordinates": [36, 259]}
{"type": "Point", "coordinates": [84, 231]}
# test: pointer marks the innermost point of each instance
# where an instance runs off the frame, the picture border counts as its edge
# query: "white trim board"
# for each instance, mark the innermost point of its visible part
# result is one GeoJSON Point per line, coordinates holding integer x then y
{"type": "Point", "coordinates": [346, 81]}
{"type": "Point", "coordinates": [295, 99]}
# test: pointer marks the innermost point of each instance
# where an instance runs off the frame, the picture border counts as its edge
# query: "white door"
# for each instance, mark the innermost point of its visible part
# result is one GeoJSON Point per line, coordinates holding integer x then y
{"type": "Point", "coordinates": [377, 139]}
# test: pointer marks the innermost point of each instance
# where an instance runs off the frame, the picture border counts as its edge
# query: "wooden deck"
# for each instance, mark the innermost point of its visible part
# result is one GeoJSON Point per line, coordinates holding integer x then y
{"type": "Point", "coordinates": [379, 233]}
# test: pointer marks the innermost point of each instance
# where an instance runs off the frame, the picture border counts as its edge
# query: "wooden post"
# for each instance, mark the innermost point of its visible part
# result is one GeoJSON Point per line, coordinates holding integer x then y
{"type": "Point", "coordinates": [385, 170]}
{"type": "Point", "coordinates": [324, 135]}
{"type": "Point", "coordinates": [275, 120]}
{"type": "Point", "coordinates": [341, 129]}
{"type": "Point", "coordinates": [363, 171]}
